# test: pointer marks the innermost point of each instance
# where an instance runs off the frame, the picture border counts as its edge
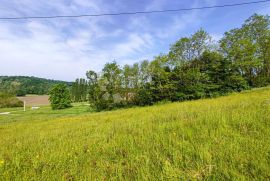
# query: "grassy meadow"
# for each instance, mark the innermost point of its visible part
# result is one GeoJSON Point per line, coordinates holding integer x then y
{"type": "Point", "coordinates": [226, 138]}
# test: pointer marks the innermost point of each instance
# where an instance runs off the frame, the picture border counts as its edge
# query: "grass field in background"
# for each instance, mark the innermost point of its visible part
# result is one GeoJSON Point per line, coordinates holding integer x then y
{"type": "Point", "coordinates": [35, 100]}
{"type": "Point", "coordinates": [226, 138]}
{"type": "Point", "coordinates": [42, 114]}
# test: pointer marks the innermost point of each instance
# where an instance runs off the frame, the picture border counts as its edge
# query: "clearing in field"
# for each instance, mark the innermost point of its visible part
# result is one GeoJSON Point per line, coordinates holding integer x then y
{"type": "Point", "coordinates": [222, 139]}
{"type": "Point", "coordinates": [35, 100]}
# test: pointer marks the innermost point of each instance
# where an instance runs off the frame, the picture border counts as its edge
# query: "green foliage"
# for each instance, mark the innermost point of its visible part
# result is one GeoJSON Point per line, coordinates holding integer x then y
{"type": "Point", "coordinates": [194, 68]}
{"type": "Point", "coordinates": [60, 97]}
{"type": "Point", "coordinates": [8, 100]}
{"type": "Point", "coordinates": [223, 75]}
{"type": "Point", "coordinates": [190, 48]}
{"type": "Point", "coordinates": [248, 49]}
{"type": "Point", "coordinates": [93, 86]}
{"type": "Point", "coordinates": [145, 96]}
{"type": "Point", "coordinates": [22, 85]}
{"type": "Point", "coordinates": [111, 81]}
{"type": "Point", "coordinates": [79, 90]}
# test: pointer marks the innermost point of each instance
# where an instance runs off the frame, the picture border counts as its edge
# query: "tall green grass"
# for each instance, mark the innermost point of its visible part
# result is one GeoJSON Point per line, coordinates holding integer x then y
{"type": "Point", "coordinates": [216, 139]}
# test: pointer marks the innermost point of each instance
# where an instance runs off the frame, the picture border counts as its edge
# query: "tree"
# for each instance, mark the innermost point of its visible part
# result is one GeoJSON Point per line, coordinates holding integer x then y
{"type": "Point", "coordinates": [75, 91]}
{"type": "Point", "coordinates": [190, 83]}
{"type": "Point", "coordinates": [144, 95]}
{"type": "Point", "coordinates": [127, 78]}
{"type": "Point", "coordinates": [257, 27]}
{"type": "Point", "coordinates": [135, 72]}
{"type": "Point", "coordinates": [112, 82]}
{"type": "Point", "coordinates": [144, 73]}
{"type": "Point", "coordinates": [193, 69]}
{"type": "Point", "coordinates": [95, 93]}
{"type": "Point", "coordinates": [248, 48]}
{"type": "Point", "coordinates": [130, 81]}
{"type": "Point", "coordinates": [93, 83]}
{"type": "Point", "coordinates": [60, 97]}
{"type": "Point", "coordinates": [190, 48]}
{"type": "Point", "coordinates": [223, 75]}
{"type": "Point", "coordinates": [162, 87]}
{"type": "Point", "coordinates": [79, 90]}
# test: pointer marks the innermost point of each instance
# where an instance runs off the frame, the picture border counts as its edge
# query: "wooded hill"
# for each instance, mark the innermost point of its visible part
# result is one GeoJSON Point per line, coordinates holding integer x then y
{"type": "Point", "coordinates": [22, 85]}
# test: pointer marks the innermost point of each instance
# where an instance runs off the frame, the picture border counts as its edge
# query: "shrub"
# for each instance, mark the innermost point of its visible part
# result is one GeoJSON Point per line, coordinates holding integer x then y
{"type": "Point", "coordinates": [8, 100]}
{"type": "Point", "coordinates": [60, 97]}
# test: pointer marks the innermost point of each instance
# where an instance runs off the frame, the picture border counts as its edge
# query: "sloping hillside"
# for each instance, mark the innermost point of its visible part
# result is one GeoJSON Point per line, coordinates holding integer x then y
{"type": "Point", "coordinates": [21, 85]}
{"type": "Point", "coordinates": [218, 139]}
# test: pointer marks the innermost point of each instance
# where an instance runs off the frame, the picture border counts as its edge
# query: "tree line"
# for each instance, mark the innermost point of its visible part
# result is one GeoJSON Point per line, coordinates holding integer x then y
{"type": "Point", "coordinates": [79, 90]}
{"type": "Point", "coordinates": [22, 85]}
{"type": "Point", "coordinates": [195, 67]}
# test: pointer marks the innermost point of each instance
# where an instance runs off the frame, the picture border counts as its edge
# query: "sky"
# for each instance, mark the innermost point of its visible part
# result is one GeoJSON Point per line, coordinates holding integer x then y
{"type": "Point", "coordinates": [64, 49]}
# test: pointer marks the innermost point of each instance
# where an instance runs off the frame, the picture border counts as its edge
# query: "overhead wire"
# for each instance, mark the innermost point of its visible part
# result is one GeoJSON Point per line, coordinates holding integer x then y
{"type": "Point", "coordinates": [133, 13]}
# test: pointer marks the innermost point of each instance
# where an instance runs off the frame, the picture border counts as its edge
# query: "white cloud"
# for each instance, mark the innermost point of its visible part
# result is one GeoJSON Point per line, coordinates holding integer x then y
{"type": "Point", "coordinates": [46, 50]}
{"type": "Point", "coordinates": [135, 43]}
{"type": "Point", "coordinates": [66, 48]}
{"type": "Point", "coordinates": [45, 53]}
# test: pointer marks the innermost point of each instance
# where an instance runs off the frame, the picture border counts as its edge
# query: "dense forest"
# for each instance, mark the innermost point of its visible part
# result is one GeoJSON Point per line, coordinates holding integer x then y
{"type": "Point", "coordinates": [22, 85]}
{"type": "Point", "coordinates": [195, 67]}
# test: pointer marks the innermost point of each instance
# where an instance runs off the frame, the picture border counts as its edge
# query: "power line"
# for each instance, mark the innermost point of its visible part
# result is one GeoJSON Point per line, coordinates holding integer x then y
{"type": "Point", "coordinates": [132, 13]}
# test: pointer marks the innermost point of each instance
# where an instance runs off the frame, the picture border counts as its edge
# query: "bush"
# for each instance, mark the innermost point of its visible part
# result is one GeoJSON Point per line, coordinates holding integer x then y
{"type": "Point", "coordinates": [144, 96]}
{"type": "Point", "coordinates": [235, 83]}
{"type": "Point", "coordinates": [8, 100]}
{"type": "Point", "coordinates": [60, 97]}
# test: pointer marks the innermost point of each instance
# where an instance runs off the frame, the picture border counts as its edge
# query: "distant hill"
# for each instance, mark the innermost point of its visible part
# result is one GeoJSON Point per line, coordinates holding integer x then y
{"type": "Point", "coordinates": [22, 85]}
